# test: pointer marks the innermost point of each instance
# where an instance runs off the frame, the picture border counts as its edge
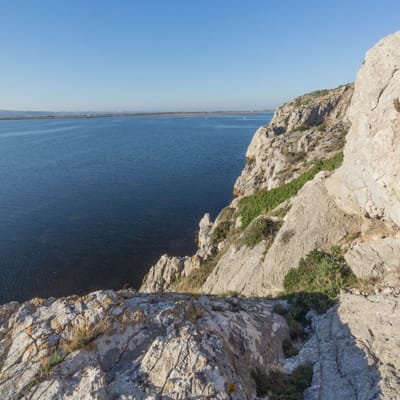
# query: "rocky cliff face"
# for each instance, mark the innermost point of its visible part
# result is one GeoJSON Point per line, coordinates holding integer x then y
{"type": "Point", "coordinates": [302, 132]}
{"type": "Point", "coordinates": [308, 128]}
{"type": "Point", "coordinates": [355, 208]}
{"type": "Point", "coordinates": [291, 200]}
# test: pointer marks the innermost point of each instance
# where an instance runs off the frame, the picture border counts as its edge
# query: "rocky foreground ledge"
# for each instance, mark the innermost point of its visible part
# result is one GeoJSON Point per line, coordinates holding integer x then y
{"type": "Point", "coordinates": [124, 345]}
{"type": "Point", "coordinates": [121, 345]}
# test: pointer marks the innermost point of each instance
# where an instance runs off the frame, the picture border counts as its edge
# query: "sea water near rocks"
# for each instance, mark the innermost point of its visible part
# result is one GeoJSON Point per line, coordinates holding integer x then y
{"type": "Point", "coordinates": [92, 203]}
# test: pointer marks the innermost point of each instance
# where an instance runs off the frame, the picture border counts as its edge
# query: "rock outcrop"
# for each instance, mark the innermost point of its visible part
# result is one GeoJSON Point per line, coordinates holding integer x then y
{"type": "Point", "coordinates": [355, 350]}
{"type": "Point", "coordinates": [308, 128]}
{"type": "Point", "coordinates": [110, 345]}
{"type": "Point", "coordinates": [369, 180]}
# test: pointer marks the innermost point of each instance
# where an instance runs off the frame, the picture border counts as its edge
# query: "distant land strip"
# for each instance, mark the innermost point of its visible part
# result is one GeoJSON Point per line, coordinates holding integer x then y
{"type": "Point", "coordinates": [151, 114]}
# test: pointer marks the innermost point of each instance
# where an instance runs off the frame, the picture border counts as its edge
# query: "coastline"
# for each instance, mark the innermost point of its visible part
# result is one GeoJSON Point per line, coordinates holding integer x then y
{"type": "Point", "coordinates": [113, 115]}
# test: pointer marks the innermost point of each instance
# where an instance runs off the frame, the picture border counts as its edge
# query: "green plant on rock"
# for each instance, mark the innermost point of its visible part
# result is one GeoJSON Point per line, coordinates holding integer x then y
{"type": "Point", "coordinates": [84, 334]}
{"type": "Point", "coordinates": [320, 272]}
{"type": "Point", "coordinates": [197, 277]}
{"type": "Point", "coordinates": [318, 280]}
{"type": "Point", "coordinates": [221, 231]}
{"type": "Point", "coordinates": [260, 229]}
{"type": "Point", "coordinates": [296, 156]}
{"type": "Point", "coordinates": [278, 385]}
{"type": "Point", "coordinates": [264, 201]}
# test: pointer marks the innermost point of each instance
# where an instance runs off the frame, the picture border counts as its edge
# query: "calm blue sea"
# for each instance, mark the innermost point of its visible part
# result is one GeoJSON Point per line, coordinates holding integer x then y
{"type": "Point", "coordinates": [92, 203]}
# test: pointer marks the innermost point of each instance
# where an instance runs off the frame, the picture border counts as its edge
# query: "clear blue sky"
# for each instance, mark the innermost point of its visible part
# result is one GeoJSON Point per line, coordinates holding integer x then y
{"type": "Point", "coordinates": [169, 55]}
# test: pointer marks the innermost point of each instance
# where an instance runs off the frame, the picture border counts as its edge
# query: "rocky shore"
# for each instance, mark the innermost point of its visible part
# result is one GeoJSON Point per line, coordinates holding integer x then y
{"type": "Point", "coordinates": [293, 291]}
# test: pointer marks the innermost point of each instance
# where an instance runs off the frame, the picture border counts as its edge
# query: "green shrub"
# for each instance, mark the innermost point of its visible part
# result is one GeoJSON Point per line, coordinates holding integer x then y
{"type": "Point", "coordinates": [294, 319]}
{"type": "Point", "coordinates": [321, 273]}
{"type": "Point", "coordinates": [260, 229]}
{"type": "Point", "coordinates": [301, 128]}
{"type": "Point", "coordinates": [197, 277]}
{"type": "Point", "coordinates": [221, 231]}
{"type": "Point", "coordinates": [262, 202]}
{"type": "Point", "coordinates": [295, 157]}
{"type": "Point", "coordinates": [288, 349]}
{"type": "Point", "coordinates": [251, 161]}
{"type": "Point", "coordinates": [278, 385]}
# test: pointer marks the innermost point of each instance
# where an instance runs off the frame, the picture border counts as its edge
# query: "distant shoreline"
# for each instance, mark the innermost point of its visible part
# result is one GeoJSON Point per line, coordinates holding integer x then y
{"type": "Point", "coordinates": [110, 115]}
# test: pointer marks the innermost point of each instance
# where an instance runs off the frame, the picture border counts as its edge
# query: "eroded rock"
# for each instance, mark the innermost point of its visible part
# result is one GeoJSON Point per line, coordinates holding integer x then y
{"type": "Point", "coordinates": [110, 345]}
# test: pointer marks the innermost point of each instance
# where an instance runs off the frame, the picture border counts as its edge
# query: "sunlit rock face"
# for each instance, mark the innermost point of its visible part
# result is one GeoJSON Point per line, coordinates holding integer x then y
{"type": "Point", "coordinates": [369, 180]}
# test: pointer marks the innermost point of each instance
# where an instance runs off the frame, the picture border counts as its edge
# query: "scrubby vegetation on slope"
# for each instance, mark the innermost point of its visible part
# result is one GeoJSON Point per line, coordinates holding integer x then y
{"type": "Point", "coordinates": [260, 229]}
{"type": "Point", "coordinates": [278, 385]}
{"type": "Point", "coordinates": [323, 273]}
{"type": "Point", "coordinates": [316, 285]}
{"type": "Point", "coordinates": [262, 202]}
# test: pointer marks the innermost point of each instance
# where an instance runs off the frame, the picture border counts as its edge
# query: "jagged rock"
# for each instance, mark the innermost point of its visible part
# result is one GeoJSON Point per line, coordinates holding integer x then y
{"type": "Point", "coordinates": [313, 222]}
{"type": "Point", "coordinates": [306, 129]}
{"type": "Point", "coordinates": [167, 272]}
{"type": "Point", "coordinates": [205, 245]}
{"type": "Point", "coordinates": [368, 181]}
{"type": "Point", "coordinates": [109, 345]}
{"type": "Point", "coordinates": [355, 350]}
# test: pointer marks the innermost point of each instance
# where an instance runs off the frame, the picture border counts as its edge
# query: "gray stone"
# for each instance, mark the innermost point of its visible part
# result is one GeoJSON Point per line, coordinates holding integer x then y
{"type": "Point", "coordinates": [158, 346]}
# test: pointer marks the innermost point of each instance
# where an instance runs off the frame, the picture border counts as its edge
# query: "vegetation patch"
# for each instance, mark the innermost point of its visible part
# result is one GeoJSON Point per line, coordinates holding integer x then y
{"type": "Point", "coordinates": [260, 229]}
{"type": "Point", "coordinates": [231, 387]}
{"type": "Point", "coordinates": [296, 156]}
{"type": "Point", "coordinates": [251, 161]}
{"type": "Point", "coordinates": [83, 335]}
{"type": "Point", "coordinates": [294, 319]}
{"type": "Point", "coordinates": [288, 349]}
{"type": "Point", "coordinates": [260, 203]}
{"type": "Point", "coordinates": [278, 385]}
{"type": "Point", "coordinates": [321, 276]}
{"type": "Point", "coordinates": [301, 128]}
{"type": "Point", "coordinates": [194, 281]}
{"type": "Point", "coordinates": [55, 359]}
{"type": "Point", "coordinates": [221, 231]}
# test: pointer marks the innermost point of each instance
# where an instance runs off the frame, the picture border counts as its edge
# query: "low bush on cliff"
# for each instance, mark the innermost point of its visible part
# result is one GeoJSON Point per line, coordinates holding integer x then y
{"type": "Point", "coordinates": [262, 202]}
{"type": "Point", "coordinates": [260, 229]}
{"type": "Point", "coordinates": [196, 278]}
{"type": "Point", "coordinates": [278, 385]}
{"type": "Point", "coordinates": [221, 231]}
{"type": "Point", "coordinates": [224, 226]}
{"type": "Point", "coordinates": [317, 282]}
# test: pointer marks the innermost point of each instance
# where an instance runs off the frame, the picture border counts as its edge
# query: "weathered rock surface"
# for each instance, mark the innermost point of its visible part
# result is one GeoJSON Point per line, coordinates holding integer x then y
{"type": "Point", "coordinates": [308, 128]}
{"type": "Point", "coordinates": [110, 345]}
{"type": "Point", "coordinates": [355, 350]}
{"type": "Point", "coordinates": [167, 272]}
{"type": "Point", "coordinates": [375, 258]}
{"type": "Point", "coordinates": [368, 181]}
